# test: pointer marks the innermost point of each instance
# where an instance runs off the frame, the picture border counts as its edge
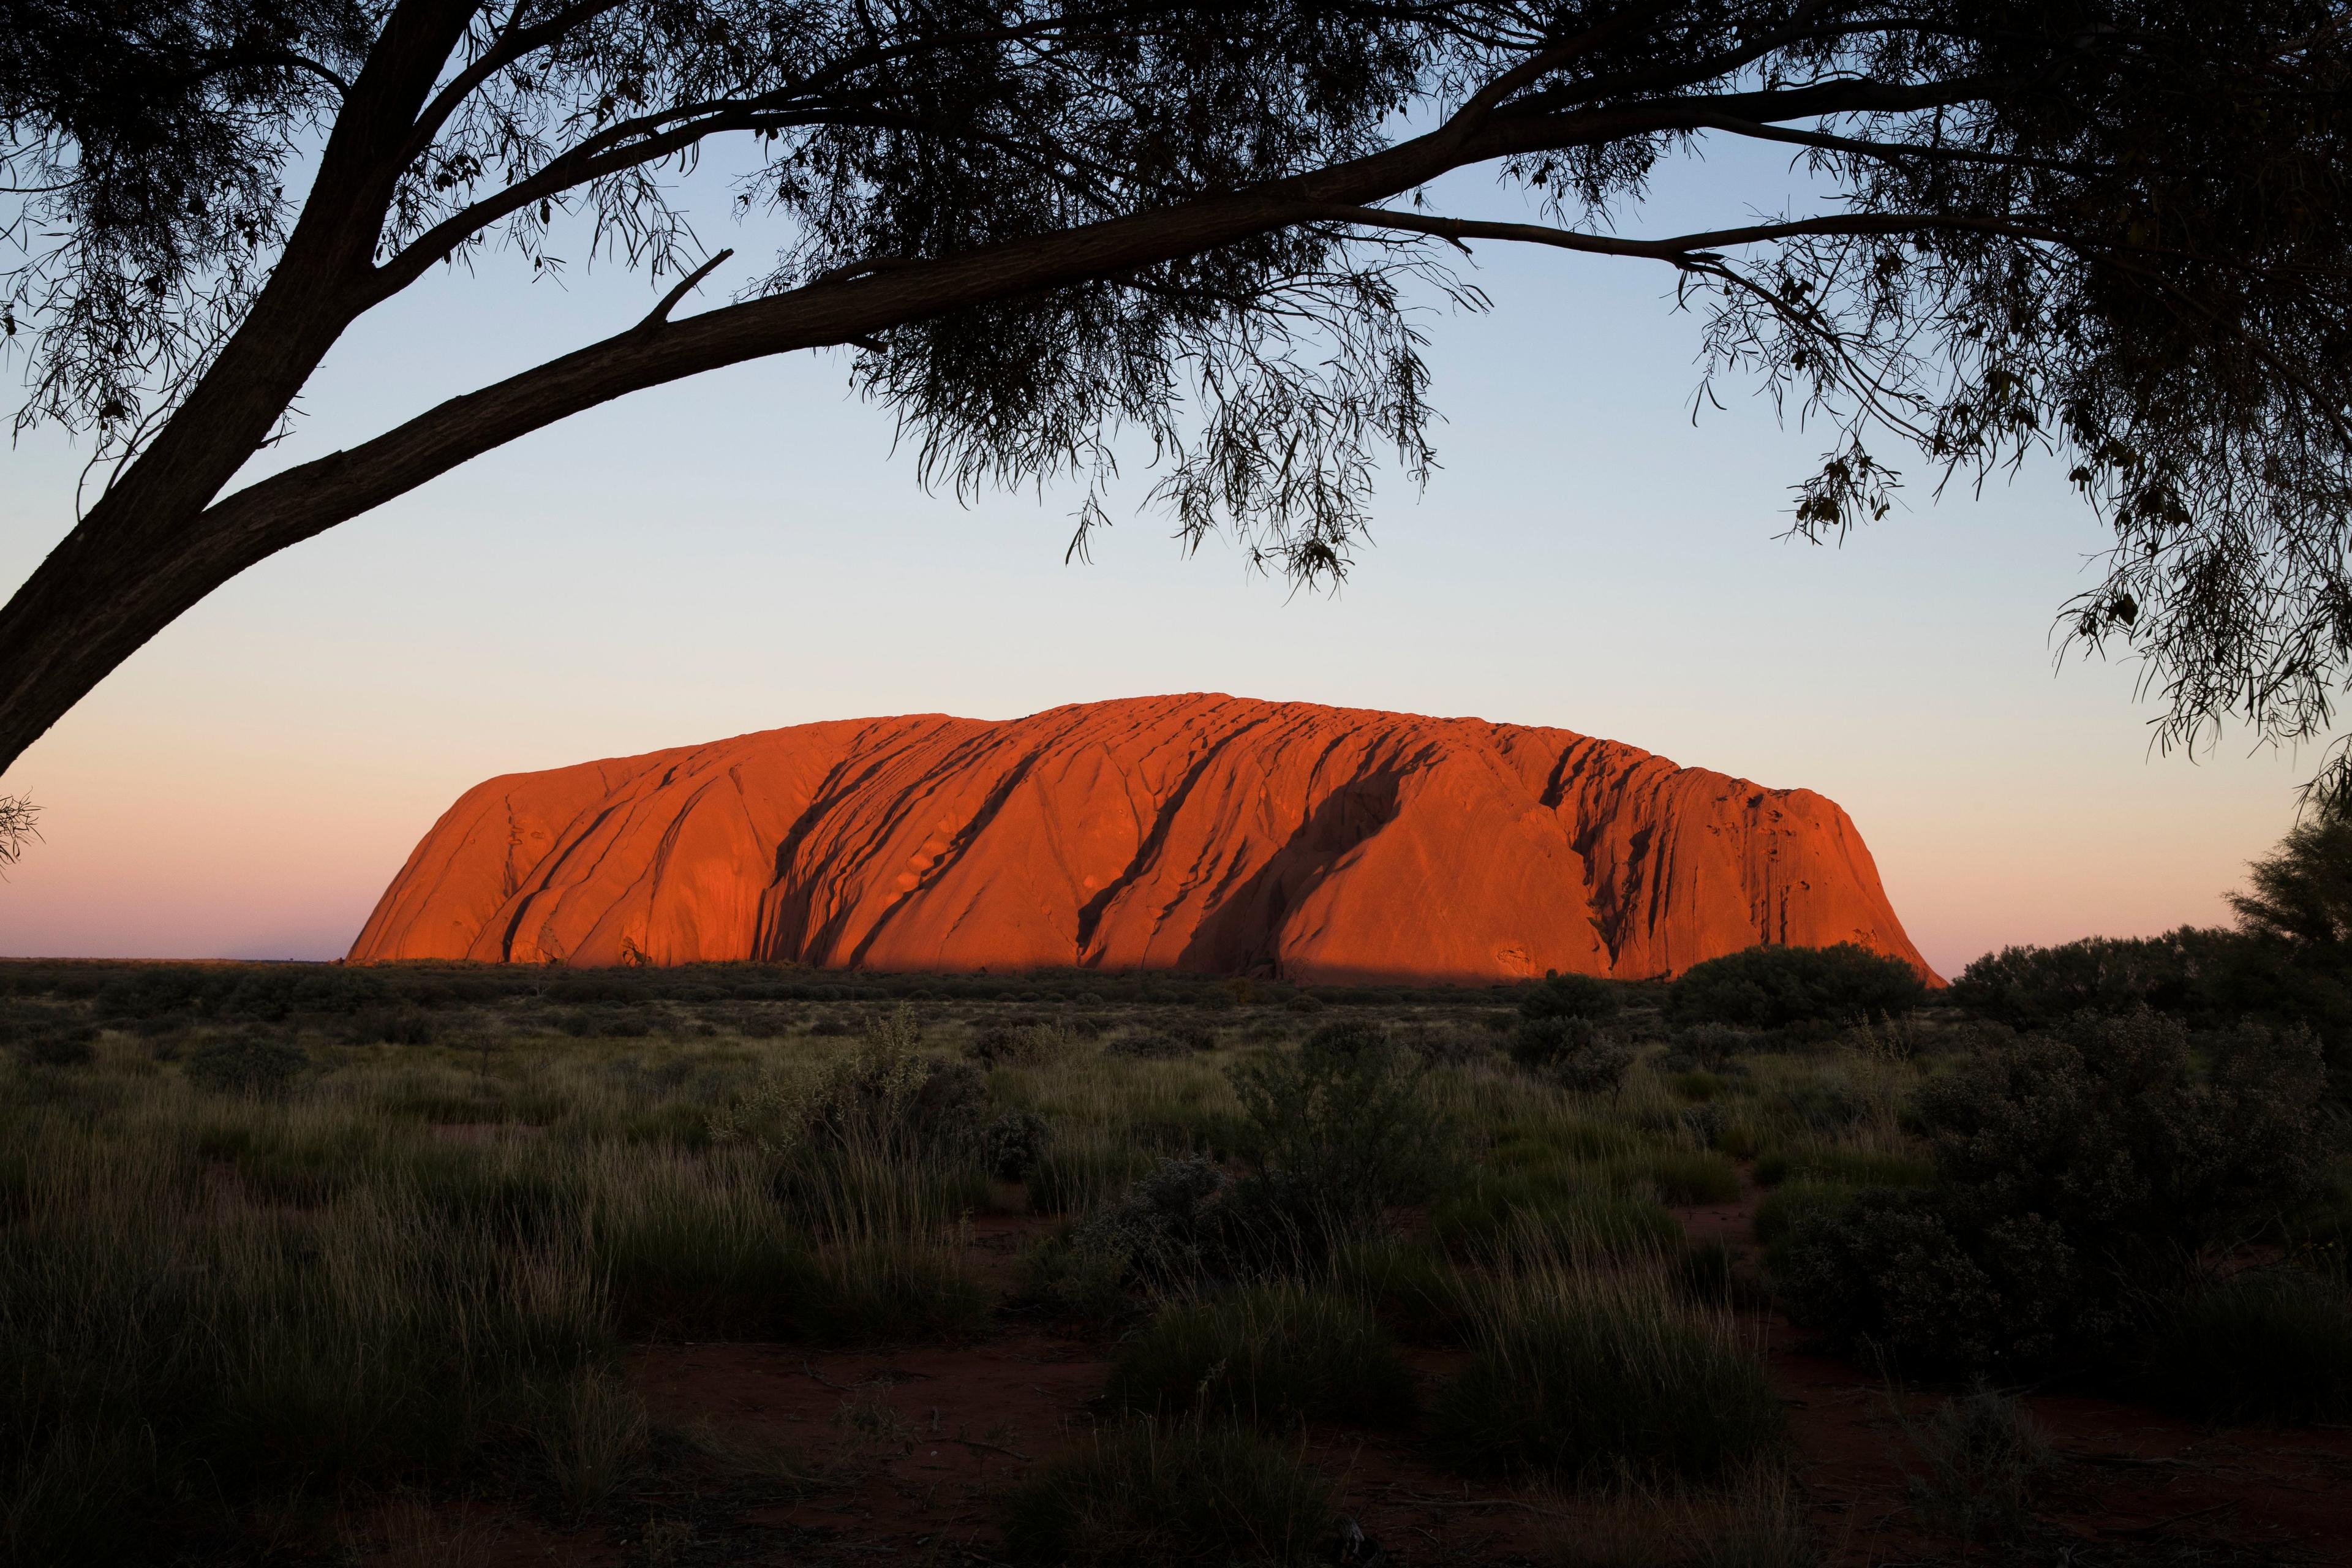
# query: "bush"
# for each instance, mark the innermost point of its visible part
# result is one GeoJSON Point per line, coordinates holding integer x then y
{"type": "Point", "coordinates": [1572, 1052]}
{"type": "Point", "coordinates": [1161, 1044]}
{"type": "Point", "coordinates": [1212, 1496]}
{"type": "Point", "coordinates": [2078, 1177]}
{"type": "Point", "coordinates": [1267, 1354]}
{"type": "Point", "coordinates": [1578, 1373]}
{"type": "Point", "coordinates": [59, 1046]}
{"type": "Point", "coordinates": [1891, 1268]}
{"type": "Point", "coordinates": [252, 1064]}
{"type": "Point", "coordinates": [1986, 1460]}
{"type": "Point", "coordinates": [2270, 1345]}
{"type": "Point", "coordinates": [1570, 996]}
{"type": "Point", "coordinates": [1014, 1143]}
{"type": "Point", "coordinates": [1188, 1223]}
{"type": "Point", "coordinates": [1343, 1126]}
{"type": "Point", "coordinates": [1445, 1045]}
{"type": "Point", "coordinates": [1773, 988]}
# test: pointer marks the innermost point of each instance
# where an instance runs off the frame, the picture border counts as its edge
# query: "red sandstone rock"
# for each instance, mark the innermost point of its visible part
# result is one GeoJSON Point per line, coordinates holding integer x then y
{"type": "Point", "coordinates": [1203, 833]}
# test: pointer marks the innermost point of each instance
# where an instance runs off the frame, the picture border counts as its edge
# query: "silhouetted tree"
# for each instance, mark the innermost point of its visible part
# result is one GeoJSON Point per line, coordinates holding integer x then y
{"type": "Point", "coordinates": [2301, 891]}
{"type": "Point", "coordinates": [2113, 231]}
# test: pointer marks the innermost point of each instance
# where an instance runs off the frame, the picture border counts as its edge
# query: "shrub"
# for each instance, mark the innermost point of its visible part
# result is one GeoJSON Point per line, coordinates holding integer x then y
{"type": "Point", "coordinates": [1343, 1125]}
{"type": "Point", "coordinates": [59, 1046]}
{"type": "Point", "coordinates": [1266, 1353]}
{"type": "Point", "coordinates": [2078, 1177]}
{"type": "Point", "coordinates": [1570, 996]}
{"type": "Point", "coordinates": [2035, 987]}
{"type": "Point", "coordinates": [1890, 1268]}
{"type": "Point", "coordinates": [1161, 1045]}
{"type": "Point", "coordinates": [1212, 1496]}
{"type": "Point", "coordinates": [1794, 1202]}
{"type": "Point", "coordinates": [1013, 1144]}
{"type": "Point", "coordinates": [1187, 1223]}
{"type": "Point", "coordinates": [1772, 987]}
{"type": "Point", "coordinates": [1986, 1460]}
{"type": "Point", "coordinates": [1445, 1045]}
{"type": "Point", "coordinates": [1084, 1284]}
{"type": "Point", "coordinates": [2270, 1345]}
{"type": "Point", "coordinates": [1577, 1372]}
{"type": "Point", "coordinates": [1574, 1053]}
{"type": "Point", "coordinates": [253, 1065]}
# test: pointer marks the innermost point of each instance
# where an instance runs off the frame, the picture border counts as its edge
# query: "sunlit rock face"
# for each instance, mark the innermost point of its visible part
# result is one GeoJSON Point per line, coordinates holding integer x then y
{"type": "Point", "coordinates": [1204, 832]}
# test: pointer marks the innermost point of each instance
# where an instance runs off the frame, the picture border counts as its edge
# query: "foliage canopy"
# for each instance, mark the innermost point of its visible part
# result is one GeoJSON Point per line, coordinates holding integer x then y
{"type": "Point", "coordinates": [2108, 232]}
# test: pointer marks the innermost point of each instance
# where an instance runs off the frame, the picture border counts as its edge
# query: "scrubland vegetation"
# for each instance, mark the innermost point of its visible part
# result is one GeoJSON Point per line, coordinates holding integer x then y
{"type": "Point", "coordinates": [286, 1249]}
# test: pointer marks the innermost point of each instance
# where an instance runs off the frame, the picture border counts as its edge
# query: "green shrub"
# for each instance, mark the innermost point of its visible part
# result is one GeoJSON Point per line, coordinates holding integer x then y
{"type": "Point", "coordinates": [1987, 1459]}
{"type": "Point", "coordinates": [1574, 1053]}
{"type": "Point", "coordinates": [1266, 1354]}
{"type": "Point", "coordinates": [248, 1064]}
{"type": "Point", "coordinates": [1773, 988]}
{"type": "Point", "coordinates": [2078, 1177]}
{"type": "Point", "coordinates": [1346, 1123]}
{"type": "Point", "coordinates": [1579, 1373]}
{"type": "Point", "coordinates": [1893, 1269]}
{"type": "Point", "coordinates": [59, 1045]}
{"type": "Point", "coordinates": [1792, 1204]}
{"type": "Point", "coordinates": [1211, 1496]}
{"type": "Point", "coordinates": [1013, 1144]}
{"type": "Point", "coordinates": [1570, 996]}
{"type": "Point", "coordinates": [2270, 1344]}
{"type": "Point", "coordinates": [1083, 1285]}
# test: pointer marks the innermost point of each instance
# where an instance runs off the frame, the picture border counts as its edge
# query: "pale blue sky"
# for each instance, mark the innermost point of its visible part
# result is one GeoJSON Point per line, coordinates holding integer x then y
{"type": "Point", "coordinates": [743, 550]}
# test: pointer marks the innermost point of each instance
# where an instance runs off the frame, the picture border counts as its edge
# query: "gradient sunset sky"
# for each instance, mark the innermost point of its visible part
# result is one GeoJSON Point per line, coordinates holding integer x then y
{"type": "Point", "coordinates": [744, 551]}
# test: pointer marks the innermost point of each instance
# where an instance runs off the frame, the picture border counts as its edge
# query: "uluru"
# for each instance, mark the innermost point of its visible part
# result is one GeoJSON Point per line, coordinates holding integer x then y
{"type": "Point", "coordinates": [1201, 832]}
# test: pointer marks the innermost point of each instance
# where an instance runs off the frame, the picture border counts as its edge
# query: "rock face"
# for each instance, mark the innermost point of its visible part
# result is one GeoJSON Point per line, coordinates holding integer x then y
{"type": "Point", "coordinates": [1203, 833]}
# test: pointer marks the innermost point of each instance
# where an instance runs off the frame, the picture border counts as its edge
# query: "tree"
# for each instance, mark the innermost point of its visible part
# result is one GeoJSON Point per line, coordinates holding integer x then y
{"type": "Point", "coordinates": [2301, 892]}
{"type": "Point", "coordinates": [2112, 232]}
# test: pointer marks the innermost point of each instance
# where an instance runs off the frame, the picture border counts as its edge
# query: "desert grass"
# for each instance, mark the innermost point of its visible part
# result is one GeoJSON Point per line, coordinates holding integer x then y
{"type": "Point", "coordinates": [2265, 1344]}
{"type": "Point", "coordinates": [416, 1262]}
{"type": "Point", "coordinates": [1190, 1493]}
{"type": "Point", "coordinates": [1268, 1355]}
{"type": "Point", "coordinates": [1588, 1367]}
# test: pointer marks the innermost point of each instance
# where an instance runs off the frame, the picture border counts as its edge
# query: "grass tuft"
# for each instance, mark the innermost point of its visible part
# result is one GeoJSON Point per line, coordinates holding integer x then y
{"type": "Point", "coordinates": [1580, 1373]}
{"type": "Point", "coordinates": [2272, 1344]}
{"type": "Point", "coordinates": [1267, 1354]}
{"type": "Point", "coordinates": [1206, 1495]}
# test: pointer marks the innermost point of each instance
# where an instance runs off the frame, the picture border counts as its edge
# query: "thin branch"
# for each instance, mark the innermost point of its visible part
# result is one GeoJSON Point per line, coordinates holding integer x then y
{"type": "Point", "coordinates": [1682, 249]}
{"type": "Point", "coordinates": [660, 312]}
{"type": "Point", "coordinates": [505, 52]}
{"type": "Point", "coordinates": [1827, 142]}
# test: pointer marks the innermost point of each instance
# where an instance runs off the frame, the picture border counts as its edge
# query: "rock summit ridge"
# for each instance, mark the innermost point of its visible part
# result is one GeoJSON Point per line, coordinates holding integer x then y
{"type": "Point", "coordinates": [1198, 832]}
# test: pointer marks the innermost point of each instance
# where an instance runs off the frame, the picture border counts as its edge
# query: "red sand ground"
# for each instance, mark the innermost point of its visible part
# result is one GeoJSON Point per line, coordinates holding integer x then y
{"type": "Point", "coordinates": [906, 1457]}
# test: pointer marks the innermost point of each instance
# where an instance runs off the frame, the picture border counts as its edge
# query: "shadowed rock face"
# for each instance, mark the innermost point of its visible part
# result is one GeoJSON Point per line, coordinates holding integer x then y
{"type": "Point", "coordinates": [1203, 833]}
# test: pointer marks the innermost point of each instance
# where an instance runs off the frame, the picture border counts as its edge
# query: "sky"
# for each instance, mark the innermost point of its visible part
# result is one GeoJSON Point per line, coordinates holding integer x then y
{"type": "Point", "coordinates": [746, 549]}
